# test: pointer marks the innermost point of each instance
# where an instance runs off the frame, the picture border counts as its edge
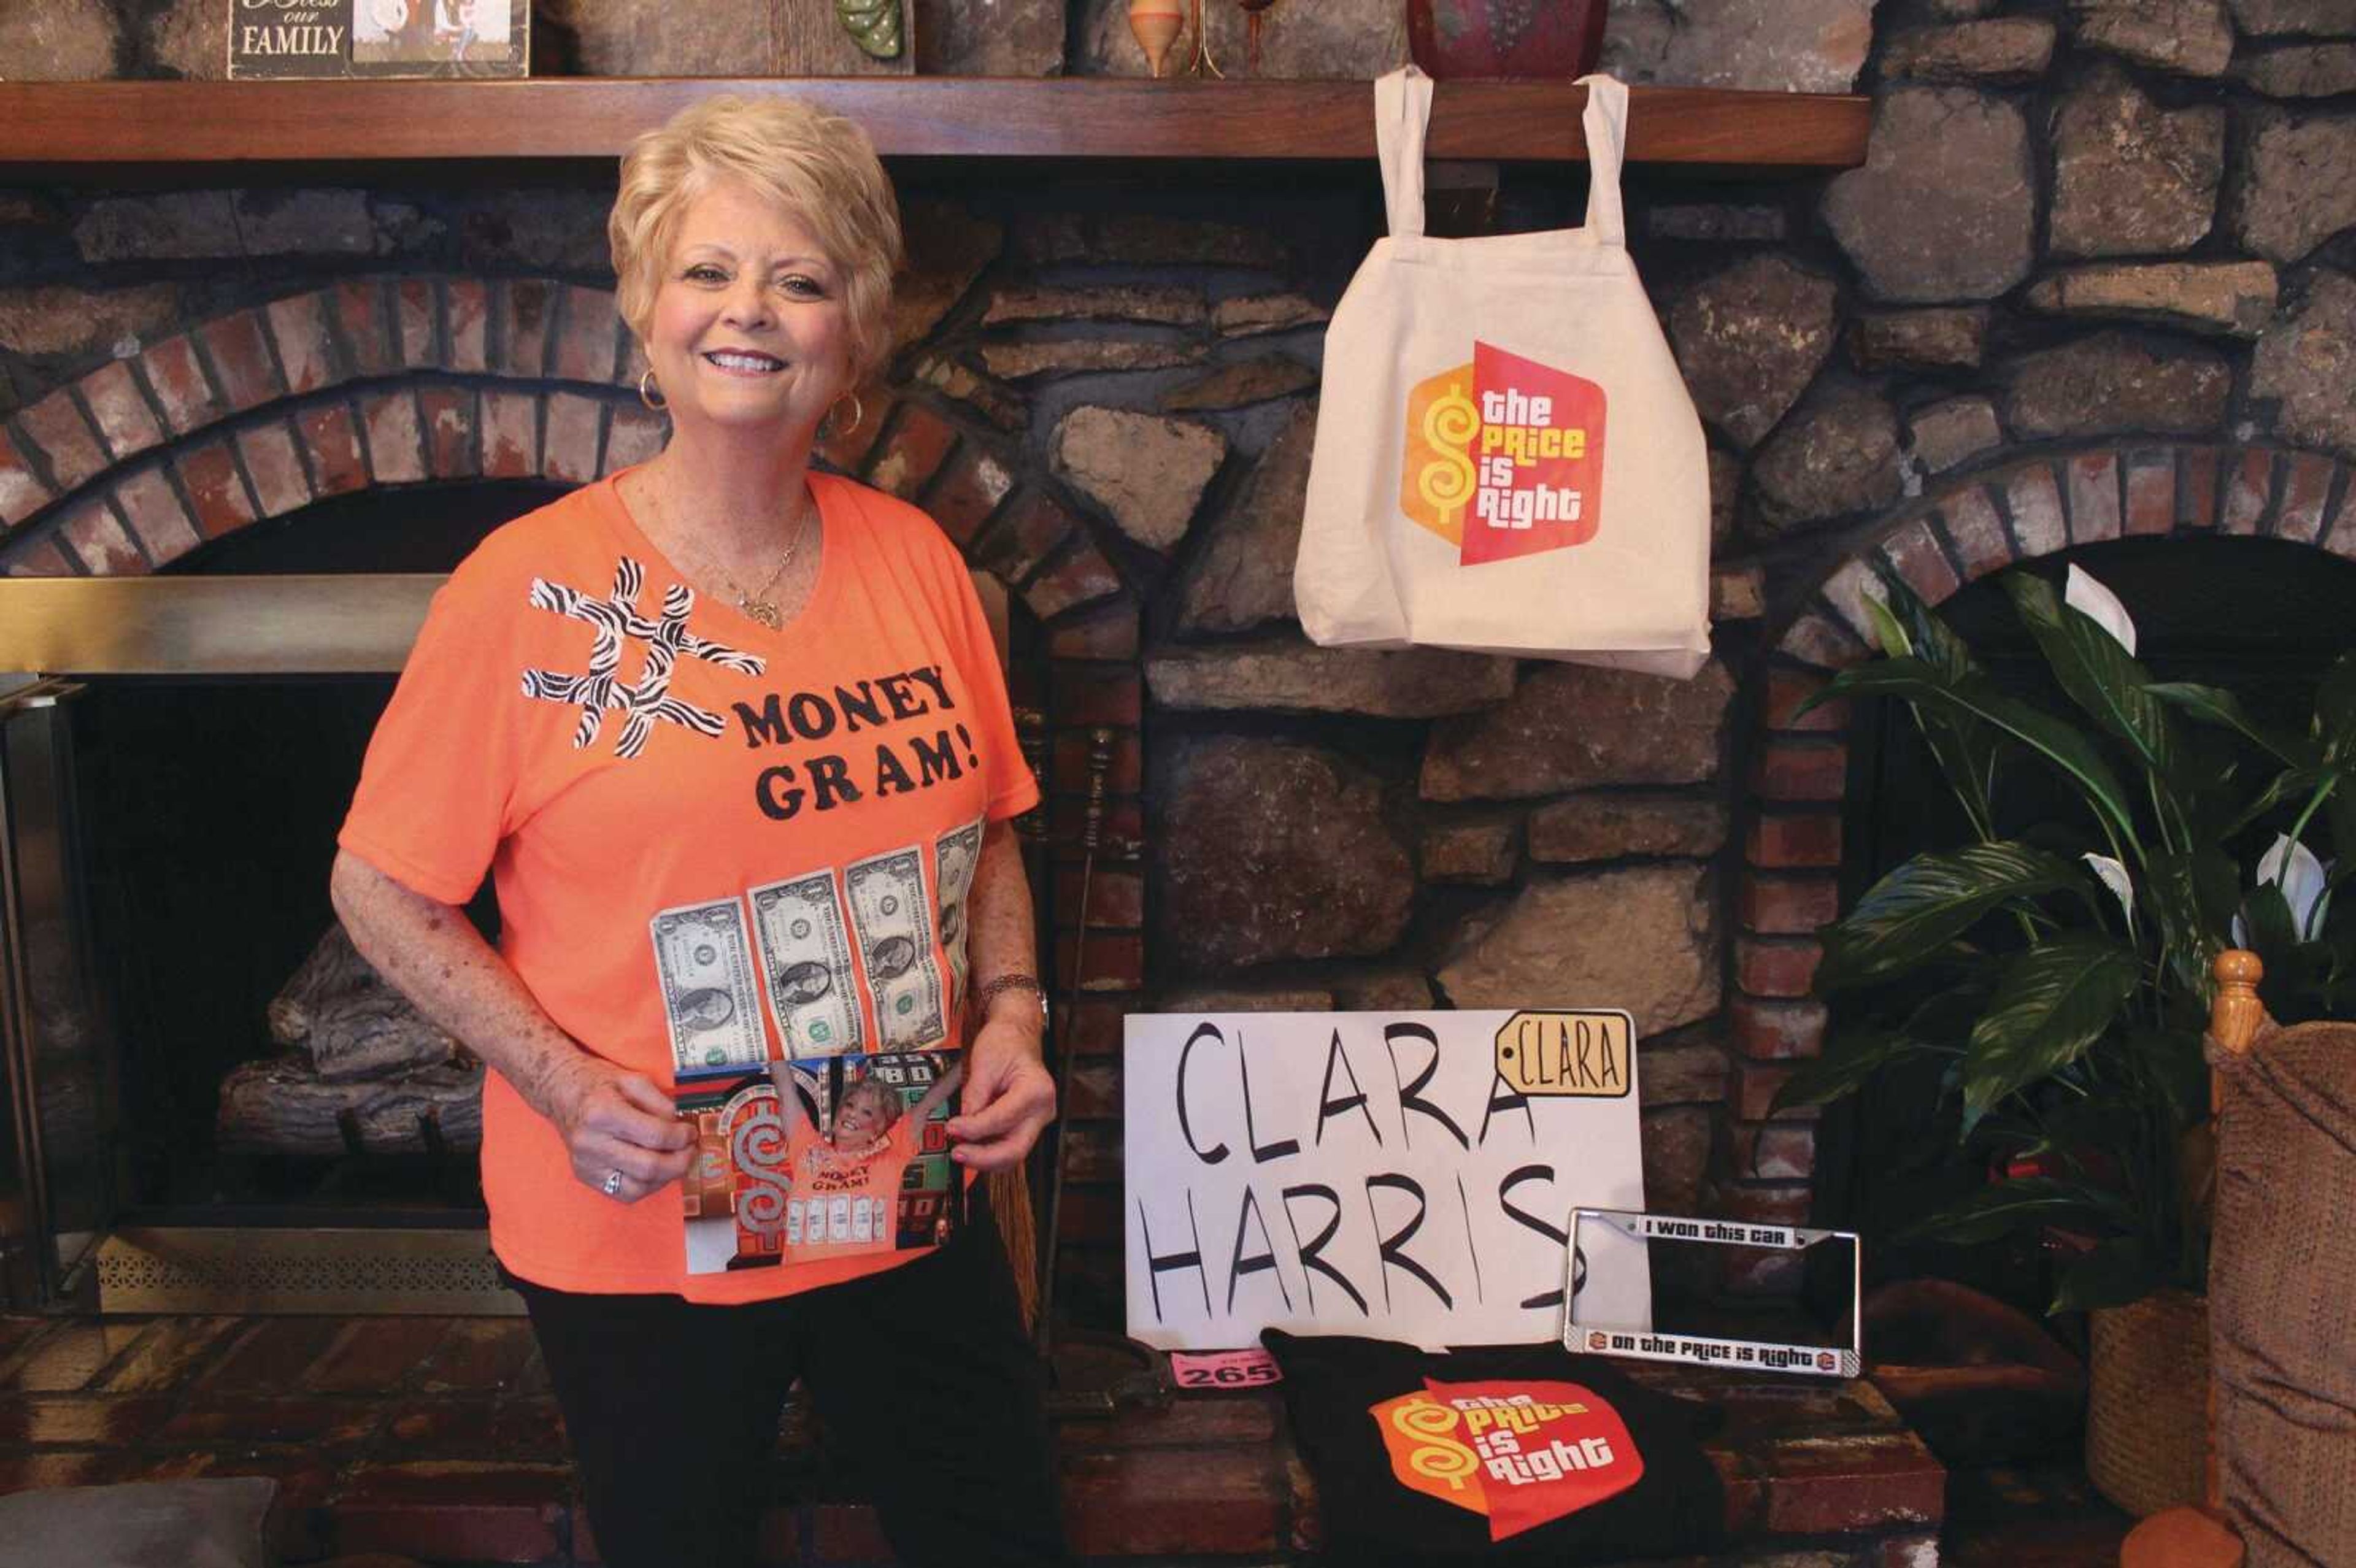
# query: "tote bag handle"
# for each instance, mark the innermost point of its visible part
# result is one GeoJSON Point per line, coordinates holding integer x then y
{"type": "Point", "coordinates": [1402, 110]}
{"type": "Point", "coordinates": [1606, 123]}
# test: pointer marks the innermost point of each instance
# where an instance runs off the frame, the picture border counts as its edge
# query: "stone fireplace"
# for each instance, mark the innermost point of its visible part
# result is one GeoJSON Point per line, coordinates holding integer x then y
{"type": "Point", "coordinates": [2093, 283]}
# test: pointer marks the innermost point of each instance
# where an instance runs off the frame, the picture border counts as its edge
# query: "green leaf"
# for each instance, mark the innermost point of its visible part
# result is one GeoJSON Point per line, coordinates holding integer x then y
{"type": "Point", "coordinates": [2335, 710]}
{"type": "Point", "coordinates": [1928, 637]}
{"type": "Point", "coordinates": [2100, 676]}
{"type": "Point", "coordinates": [2112, 1274]}
{"type": "Point", "coordinates": [2181, 888]}
{"type": "Point", "coordinates": [1918, 909]}
{"type": "Point", "coordinates": [2002, 1208]}
{"type": "Point", "coordinates": [2050, 1003]}
{"type": "Point", "coordinates": [2215, 705]}
{"type": "Point", "coordinates": [2060, 744]}
{"type": "Point", "coordinates": [1848, 1063]}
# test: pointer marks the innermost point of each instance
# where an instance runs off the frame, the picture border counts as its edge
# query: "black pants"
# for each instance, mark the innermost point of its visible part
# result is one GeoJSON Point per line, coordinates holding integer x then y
{"type": "Point", "coordinates": [922, 1374]}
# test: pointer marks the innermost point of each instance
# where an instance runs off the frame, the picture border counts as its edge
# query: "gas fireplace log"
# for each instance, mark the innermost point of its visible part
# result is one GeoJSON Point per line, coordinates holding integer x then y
{"type": "Point", "coordinates": [278, 1105]}
{"type": "Point", "coordinates": [351, 1023]}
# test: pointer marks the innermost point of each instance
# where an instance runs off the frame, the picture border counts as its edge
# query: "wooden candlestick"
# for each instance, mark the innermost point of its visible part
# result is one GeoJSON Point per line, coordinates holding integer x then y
{"type": "Point", "coordinates": [1156, 24]}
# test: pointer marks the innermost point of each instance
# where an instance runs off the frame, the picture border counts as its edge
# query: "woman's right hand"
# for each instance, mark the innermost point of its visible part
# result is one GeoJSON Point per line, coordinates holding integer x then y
{"type": "Point", "coordinates": [614, 1121]}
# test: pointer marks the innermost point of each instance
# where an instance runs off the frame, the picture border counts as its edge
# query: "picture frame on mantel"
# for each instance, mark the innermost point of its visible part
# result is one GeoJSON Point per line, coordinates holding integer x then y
{"type": "Point", "coordinates": [311, 39]}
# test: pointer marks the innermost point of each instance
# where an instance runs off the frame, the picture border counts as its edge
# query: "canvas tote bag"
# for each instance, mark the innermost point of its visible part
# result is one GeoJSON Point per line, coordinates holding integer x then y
{"type": "Point", "coordinates": [1506, 459]}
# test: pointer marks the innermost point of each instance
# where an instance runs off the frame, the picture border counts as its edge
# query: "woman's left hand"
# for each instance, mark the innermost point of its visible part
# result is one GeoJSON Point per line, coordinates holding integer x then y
{"type": "Point", "coordinates": [1009, 1097]}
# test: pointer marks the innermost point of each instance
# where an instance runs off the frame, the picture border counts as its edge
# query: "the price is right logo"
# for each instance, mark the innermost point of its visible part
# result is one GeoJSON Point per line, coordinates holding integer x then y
{"type": "Point", "coordinates": [1504, 457]}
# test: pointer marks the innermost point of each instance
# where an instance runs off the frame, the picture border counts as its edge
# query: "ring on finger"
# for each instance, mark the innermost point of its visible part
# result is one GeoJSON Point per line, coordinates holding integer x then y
{"type": "Point", "coordinates": [613, 1184]}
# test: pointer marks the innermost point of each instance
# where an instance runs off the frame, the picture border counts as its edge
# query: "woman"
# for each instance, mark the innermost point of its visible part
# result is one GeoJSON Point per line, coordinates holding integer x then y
{"type": "Point", "coordinates": [717, 725]}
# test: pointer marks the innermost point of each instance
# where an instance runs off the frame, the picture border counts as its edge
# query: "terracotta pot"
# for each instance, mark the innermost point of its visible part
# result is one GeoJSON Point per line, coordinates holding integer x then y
{"type": "Point", "coordinates": [2147, 1403]}
{"type": "Point", "coordinates": [1504, 38]}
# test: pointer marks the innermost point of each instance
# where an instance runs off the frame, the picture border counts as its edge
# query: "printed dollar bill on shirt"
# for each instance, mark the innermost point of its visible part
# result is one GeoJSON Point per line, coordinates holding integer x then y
{"type": "Point", "coordinates": [806, 1017]}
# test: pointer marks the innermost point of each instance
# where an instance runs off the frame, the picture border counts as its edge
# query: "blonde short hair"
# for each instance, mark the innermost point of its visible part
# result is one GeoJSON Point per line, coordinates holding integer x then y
{"type": "Point", "coordinates": [818, 166]}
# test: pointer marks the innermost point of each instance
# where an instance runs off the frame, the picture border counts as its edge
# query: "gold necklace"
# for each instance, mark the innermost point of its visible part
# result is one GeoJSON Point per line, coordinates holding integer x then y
{"type": "Point", "coordinates": [756, 605]}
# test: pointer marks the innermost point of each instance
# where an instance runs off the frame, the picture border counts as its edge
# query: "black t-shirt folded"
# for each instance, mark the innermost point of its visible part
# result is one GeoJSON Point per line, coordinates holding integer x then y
{"type": "Point", "coordinates": [1485, 1456]}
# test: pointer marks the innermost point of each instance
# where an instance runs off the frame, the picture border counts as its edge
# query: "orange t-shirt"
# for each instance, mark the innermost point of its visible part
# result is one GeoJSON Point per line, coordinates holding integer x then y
{"type": "Point", "coordinates": [709, 838]}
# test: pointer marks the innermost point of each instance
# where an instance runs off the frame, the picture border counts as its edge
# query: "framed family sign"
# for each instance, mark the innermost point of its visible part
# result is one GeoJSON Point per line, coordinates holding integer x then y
{"type": "Point", "coordinates": [313, 38]}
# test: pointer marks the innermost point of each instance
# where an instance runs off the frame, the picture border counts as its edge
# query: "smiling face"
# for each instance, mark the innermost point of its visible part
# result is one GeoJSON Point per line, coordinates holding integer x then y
{"type": "Point", "coordinates": [866, 1113]}
{"type": "Point", "coordinates": [749, 328]}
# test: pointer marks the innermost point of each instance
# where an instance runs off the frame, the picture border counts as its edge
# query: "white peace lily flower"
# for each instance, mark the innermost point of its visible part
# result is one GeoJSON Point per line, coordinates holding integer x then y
{"type": "Point", "coordinates": [2114, 877]}
{"type": "Point", "coordinates": [2292, 867]}
{"type": "Point", "coordinates": [2090, 599]}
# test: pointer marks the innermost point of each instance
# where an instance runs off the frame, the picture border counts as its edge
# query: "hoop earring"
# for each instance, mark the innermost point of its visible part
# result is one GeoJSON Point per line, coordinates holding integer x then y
{"type": "Point", "coordinates": [650, 394]}
{"type": "Point", "coordinates": [857, 415]}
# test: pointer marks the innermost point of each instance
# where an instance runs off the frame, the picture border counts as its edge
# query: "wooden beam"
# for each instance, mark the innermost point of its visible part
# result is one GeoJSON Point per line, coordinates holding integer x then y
{"type": "Point", "coordinates": [76, 128]}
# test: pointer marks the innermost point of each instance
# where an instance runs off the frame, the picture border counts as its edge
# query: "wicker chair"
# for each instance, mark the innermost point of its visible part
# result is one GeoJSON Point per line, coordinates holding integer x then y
{"type": "Point", "coordinates": [2282, 1298]}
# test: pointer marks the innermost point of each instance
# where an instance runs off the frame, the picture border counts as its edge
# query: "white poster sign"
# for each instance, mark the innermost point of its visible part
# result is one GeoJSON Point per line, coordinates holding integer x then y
{"type": "Point", "coordinates": [1406, 1176]}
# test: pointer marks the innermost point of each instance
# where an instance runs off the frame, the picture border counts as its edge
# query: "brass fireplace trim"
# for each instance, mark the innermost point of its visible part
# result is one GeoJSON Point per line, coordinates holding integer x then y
{"type": "Point", "coordinates": [225, 1269]}
{"type": "Point", "coordinates": [354, 623]}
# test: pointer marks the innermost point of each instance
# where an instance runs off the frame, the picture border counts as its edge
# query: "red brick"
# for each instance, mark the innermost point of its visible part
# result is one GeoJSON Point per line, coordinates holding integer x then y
{"type": "Point", "coordinates": [2340, 534]}
{"type": "Point", "coordinates": [69, 1355]}
{"type": "Point", "coordinates": [1116, 960]}
{"type": "Point", "coordinates": [333, 445]}
{"type": "Point", "coordinates": [1762, 1272]}
{"type": "Point", "coordinates": [374, 1355]}
{"type": "Point", "coordinates": [523, 348]}
{"type": "Point", "coordinates": [2151, 493]}
{"type": "Point", "coordinates": [1106, 633]}
{"type": "Point", "coordinates": [919, 443]}
{"type": "Point", "coordinates": [1848, 589]}
{"type": "Point", "coordinates": [62, 1468]}
{"type": "Point", "coordinates": [1823, 642]}
{"type": "Point", "coordinates": [1116, 899]}
{"type": "Point", "coordinates": [272, 1356]}
{"type": "Point", "coordinates": [153, 511]}
{"type": "Point", "coordinates": [1026, 533]}
{"type": "Point", "coordinates": [848, 1534]}
{"type": "Point", "coordinates": [56, 427]}
{"type": "Point", "coordinates": [2249, 485]}
{"type": "Point", "coordinates": [22, 493]}
{"type": "Point", "coordinates": [1096, 1027]}
{"type": "Point", "coordinates": [1789, 906]}
{"type": "Point", "coordinates": [635, 436]}
{"type": "Point", "coordinates": [124, 422]}
{"type": "Point", "coordinates": [572, 450]}
{"type": "Point", "coordinates": [846, 446]}
{"type": "Point", "coordinates": [209, 472]}
{"type": "Point", "coordinates": [1776, 968]}
{"type": "Point", "coordinates": [1913, 554]}
{"type": "Point", "coordinates": [1777, 1030]}
{"type": "Point", "coordinates": [279, 482]}
{"type": "Point", "coordinates": [511, 435]}
{"type": "Point", "coordinates": [357, 309]}
{"type": "Point", "coordinates": [469, 304]}
{"type": "Point", "coordinates": [1923, 1551]}
{"type": "Point", "coordinates": [1080, 577]}
{"type": "Point", "coordinates": [299, 324]}
{"type": "Point", "coordinates": [588, 349]}
{"type": "Point", "coordinates": [634, 364]}
{"type": "Point", "coordinates": [1190, 1421]}
{"type": "Point", "coordinates": [2036, 504]}
{"type": "Point", "coordinates": [412, 317]}
{"type": "Point", "coordinates": [1787, 688]}
{"type": "Point", "coordinates": [180, 385]}
{"type": "Point", "coordinates": [242, 1419]}
{"type": "Point", "coordinates": [1092, 1091]}
{"type": "Point", "coordinates": [1775, 1151]}
{"type": "Point", "coordinates": [1174, 1502]}
{"type": "Point", "coordinates": [1977, 532]}
{"type": "Point", "coordinates": [2094, 497]}
{"type": "Point", "coordinates": [1119, 837]}
{"type": "Point", "coordinates": [87, 1419]}
{"type": "Point", "coordinates": [1689, 1074]}
{"type": "Point", "coordinates": [1096, 694]}
{"type": "Point", "coordinates": [41, 557]}
{"type": "Point", "coordinates": [2305, 492]}
{"type": "Point", "coordinates": [448, 414]}
{"type": "Point", "coordinates": [1092, 1151]}
{"type": "Point", "coordinates": [969, 492]}
{"type": "Point", "coordinates": [240, 361]}
{"type": "Point", "coordinates": [1767, 1204]}
{"type": "Point", "coordinates": [1787, 843]}
{"type": "Point", "coordinates": [480, 1355]}
{"type": "Point", "coordinates": [1796, 769]}
{"type": "Point", "coordinates": [455, 1509]}
{"type": "Point", "coordinates": [98, 538]}
{"type": "Point", "coordinates": [2197, 485]}
{"type": "Point", "coordinates": [396, 452]}
{"type": "Point", "coordinates": [1125, 761]}
{"type": "Point", "coordinates": [1851, 1485]}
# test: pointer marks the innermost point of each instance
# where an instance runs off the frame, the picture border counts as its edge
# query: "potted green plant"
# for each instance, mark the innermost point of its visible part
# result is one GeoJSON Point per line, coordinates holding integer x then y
{"type": "Point", "coordinates": [2059, 975]}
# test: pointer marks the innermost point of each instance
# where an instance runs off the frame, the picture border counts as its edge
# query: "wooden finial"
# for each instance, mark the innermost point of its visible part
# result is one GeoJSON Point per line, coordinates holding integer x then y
{"type": "Point", "coordinates": [2237, 1015]}
{"type": "Point", "coordinates": [1157, 24]}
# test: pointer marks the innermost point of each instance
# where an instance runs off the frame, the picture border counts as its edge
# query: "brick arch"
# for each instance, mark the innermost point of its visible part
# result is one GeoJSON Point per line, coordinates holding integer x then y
{"type": "Point", "coordinates": [395, 380]}
{"type": "Point", "coordinates": [1971, 526]}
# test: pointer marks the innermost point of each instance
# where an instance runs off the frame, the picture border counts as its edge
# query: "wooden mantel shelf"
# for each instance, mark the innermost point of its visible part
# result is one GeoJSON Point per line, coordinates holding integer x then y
{"type": "Point", "coordinates": [76, 131]}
